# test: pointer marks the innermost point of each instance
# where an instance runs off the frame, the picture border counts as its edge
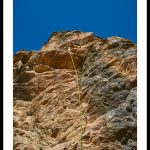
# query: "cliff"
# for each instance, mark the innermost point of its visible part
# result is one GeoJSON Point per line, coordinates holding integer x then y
{"type": "Point", "coordinates": [52, 102]}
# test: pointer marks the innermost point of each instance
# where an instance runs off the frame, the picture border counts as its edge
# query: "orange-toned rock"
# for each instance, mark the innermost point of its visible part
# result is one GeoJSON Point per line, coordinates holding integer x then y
{"type": "Point", "coordinates": [22, 56]}
{"type": "Point", "coordinates": [41, 68]}
{"type": "Point", "coordinates": [48, 113]}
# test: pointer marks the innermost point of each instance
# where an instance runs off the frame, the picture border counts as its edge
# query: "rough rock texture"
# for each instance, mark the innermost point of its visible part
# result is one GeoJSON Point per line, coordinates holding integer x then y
{"type": "Point", "coordinates": [46, 105]}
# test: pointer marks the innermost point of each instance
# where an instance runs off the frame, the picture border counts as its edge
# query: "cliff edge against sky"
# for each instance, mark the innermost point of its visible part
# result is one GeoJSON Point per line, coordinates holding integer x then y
{"type": "Point", "coordinates": [46, 107]}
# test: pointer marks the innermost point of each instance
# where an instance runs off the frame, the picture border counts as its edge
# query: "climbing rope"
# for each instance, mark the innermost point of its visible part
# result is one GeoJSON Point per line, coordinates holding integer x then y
{"type": "Point", "coordinates": [79, 100]}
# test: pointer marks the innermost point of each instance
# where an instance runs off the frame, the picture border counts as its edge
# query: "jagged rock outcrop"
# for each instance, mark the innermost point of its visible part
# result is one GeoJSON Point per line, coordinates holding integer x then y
{"type": "Point", "coordinates": [46, 105]}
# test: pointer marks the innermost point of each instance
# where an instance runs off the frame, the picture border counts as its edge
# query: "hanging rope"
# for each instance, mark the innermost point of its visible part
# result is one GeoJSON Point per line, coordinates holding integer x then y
{"type": "Point", "coordinates": [79, 100]}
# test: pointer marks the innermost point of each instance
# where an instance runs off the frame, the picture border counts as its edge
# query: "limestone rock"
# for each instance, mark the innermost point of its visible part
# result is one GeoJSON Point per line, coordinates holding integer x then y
{"type": "Point", "coordinates": [46, 102]}
{"type": "Point", "coordinates": [22, 56]}
{"type": "Point", "coordinates": [41, 68]}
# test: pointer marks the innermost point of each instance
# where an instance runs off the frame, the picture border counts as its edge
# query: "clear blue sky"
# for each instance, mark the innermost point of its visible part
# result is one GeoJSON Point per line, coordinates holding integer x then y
{"type": "Point", "coordinates": [35, 20]}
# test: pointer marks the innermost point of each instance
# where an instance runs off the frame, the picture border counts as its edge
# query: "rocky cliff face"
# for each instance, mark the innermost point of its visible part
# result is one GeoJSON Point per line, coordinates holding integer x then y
{"type": "Point", "coordinates": [46, 104]}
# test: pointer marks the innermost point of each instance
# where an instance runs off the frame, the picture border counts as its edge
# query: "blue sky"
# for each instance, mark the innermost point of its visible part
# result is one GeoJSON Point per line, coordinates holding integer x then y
{"type": "Point", "coordinates": [35, 20]}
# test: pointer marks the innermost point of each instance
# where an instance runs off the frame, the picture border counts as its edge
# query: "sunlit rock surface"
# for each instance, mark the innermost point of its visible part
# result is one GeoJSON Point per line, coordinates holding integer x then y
{"type": "Point", "coordinates": [46, 106]}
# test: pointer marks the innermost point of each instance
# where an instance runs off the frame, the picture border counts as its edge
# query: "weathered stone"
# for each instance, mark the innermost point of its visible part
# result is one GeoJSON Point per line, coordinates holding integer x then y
{"type": "Point", "coordinates": [41, 68]}
{"type": "Point", "coordinates": [23, 56]}
{"type": "Point", "coordinates": [46, 97]}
